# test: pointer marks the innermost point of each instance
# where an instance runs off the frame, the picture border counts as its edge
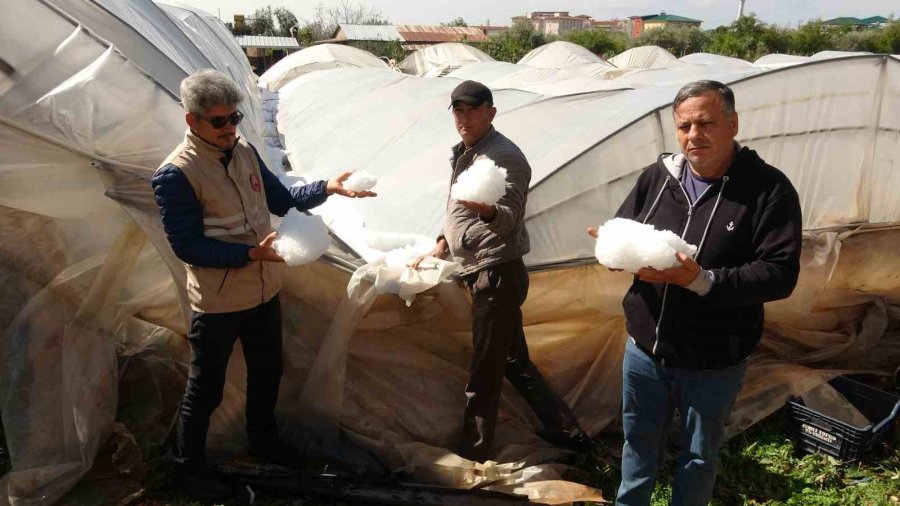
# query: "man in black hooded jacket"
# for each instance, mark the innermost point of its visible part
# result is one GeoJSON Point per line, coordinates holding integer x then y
{"type": "Point", "coordinates": [692, 327]}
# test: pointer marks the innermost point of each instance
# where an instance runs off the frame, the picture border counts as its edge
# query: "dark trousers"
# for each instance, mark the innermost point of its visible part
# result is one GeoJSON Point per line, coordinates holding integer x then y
{"type": "Point", "coordinates": [212, 338]}
{"type": "Point", "coordinates": [500, 350]}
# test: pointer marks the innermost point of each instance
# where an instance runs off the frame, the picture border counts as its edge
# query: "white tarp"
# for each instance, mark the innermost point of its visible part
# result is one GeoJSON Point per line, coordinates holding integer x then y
{"type": "Point", "coordinates": [568, 56]}
{"type": "Point", "coordinates": [319, 57]}
{"type": "Point", "coordinates": [440, 59]}
{"type": "Point", "coordinates": [645, 57]}
{"type": "Point", "coordinates": [833, 116]}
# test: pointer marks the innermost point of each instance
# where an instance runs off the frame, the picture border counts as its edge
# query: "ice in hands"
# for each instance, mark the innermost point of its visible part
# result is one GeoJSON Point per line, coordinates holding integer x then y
{"type": "Point", "coordinates": [301, 238]}
{"type": "Point", "coordinates": [360, 181]}
{"type": "Point", "coordinates": [630, 245]}
{"type": "Point", "coordinates": [483, 182]}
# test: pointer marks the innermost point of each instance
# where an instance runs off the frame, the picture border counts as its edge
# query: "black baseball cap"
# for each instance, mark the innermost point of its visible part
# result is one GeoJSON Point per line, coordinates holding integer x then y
{"type": "Point", "coordinates": [472, 93]}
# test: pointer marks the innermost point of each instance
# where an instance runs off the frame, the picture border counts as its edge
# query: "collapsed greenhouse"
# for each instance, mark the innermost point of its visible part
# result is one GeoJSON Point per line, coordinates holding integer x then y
{"type": "Point", "coordinates": [94, 312]}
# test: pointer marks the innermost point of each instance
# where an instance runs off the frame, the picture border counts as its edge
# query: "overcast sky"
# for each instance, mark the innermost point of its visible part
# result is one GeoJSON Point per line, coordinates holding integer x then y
{"type": "Point", "coordinates": [712, 12]}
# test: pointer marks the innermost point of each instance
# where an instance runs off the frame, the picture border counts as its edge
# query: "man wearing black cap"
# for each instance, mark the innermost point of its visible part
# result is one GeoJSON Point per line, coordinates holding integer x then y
{"type": "Point", "coordinates": [489, 242]}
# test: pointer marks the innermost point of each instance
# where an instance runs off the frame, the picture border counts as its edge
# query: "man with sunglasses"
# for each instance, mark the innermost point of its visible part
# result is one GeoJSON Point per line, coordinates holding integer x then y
{"type": "Point", "coordinates": [215, 196]}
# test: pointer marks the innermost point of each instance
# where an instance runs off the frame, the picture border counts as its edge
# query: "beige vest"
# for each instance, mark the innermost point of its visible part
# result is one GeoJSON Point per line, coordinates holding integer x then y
{"type": "Point", "coordinates": [234, 210]}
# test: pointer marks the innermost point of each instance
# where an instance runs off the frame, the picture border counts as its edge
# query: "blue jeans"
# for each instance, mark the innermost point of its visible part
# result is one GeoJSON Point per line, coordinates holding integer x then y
{"type": "Point", "coordinates": [650, 393]}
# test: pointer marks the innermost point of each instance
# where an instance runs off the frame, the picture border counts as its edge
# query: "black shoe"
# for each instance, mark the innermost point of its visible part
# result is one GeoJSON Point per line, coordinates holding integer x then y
{"type": "Point", "coordinates": [205, 485]}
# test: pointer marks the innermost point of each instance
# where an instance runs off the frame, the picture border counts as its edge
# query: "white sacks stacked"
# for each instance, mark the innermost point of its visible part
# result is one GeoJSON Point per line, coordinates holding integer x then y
{"type": "Point", "coordinates": [360, 181]}
{"type": "Point", "coordinates": [631, 246]}
{"type": "Point", "coordinates": [483, 182]}
{"type": "Point", "coordinates": [301, 238]}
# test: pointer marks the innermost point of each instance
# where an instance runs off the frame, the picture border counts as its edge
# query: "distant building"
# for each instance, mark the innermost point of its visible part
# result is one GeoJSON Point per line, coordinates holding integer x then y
{"type": "Point", "coordinates": [612, 25]}
{"type": "Point", "coordinates": [491, 30]}
{"type": "Point", "coordinates": [419, 36]}
{"type": "Point", "coordinates": [263, 51]}
{"type": "Point", "coordinates": [555, 22]}
{"type": "Point", "coordinates": [347, 33]}
{"type": "Point", "coordinates": [639, 24]}
{"type": "Point", "coordinates": [410, 37]}
{"type": "Point", "coordinates": [857, 23]}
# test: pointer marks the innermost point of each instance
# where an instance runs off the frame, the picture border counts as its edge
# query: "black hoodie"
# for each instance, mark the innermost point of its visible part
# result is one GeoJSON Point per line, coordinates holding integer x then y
{"type": "Point", "coordinates": [748, 228]}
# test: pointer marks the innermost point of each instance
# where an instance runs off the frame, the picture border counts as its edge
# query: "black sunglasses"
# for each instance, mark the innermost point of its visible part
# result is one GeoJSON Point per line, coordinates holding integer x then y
{"type": "Point", "coordinates": [220, 121]}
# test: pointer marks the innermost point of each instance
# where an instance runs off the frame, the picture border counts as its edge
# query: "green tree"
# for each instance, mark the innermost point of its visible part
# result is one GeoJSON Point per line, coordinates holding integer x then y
{"type": "Point", "coordinates": [888, 40]}
{"type": "Point", "coordinates": [513, 44]}
{"type": "Point", "coordinates": [599, 42]}
{"type": "Point", "coordinates": [679, 41]}
{"type": "Point", "coordinates": [286, 20]}
{"type": "Point", "coordinates": [812, 37]}
{"type": "Point", "coordinates": [262, 21]}
{"type": "Point", "coordinates": [749, 38]}
{"type": "Point", "coordinates": [305, 36]}
{"type": "Point", "coordinates": [459, 21]}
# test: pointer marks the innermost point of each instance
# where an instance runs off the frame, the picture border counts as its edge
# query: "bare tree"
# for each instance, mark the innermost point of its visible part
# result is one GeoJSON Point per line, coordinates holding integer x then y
{"type": "Point", "coordinates": [326, 19]}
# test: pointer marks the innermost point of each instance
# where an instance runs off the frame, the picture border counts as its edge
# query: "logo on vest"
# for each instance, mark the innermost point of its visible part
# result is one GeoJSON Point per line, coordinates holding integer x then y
{"type": "Point", "coordinates": [254, 183]}
{"type": "Point", "coordinates": [730, 226]}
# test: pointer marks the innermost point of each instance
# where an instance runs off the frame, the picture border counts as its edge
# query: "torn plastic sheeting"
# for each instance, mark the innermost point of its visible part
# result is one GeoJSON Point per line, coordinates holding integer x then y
{"type": "Point", "coordinates": [75, 325]}
{"type": "Point", "coordinates": [540, 483]}
{"type": "Point", "coordinates": [328, 371]}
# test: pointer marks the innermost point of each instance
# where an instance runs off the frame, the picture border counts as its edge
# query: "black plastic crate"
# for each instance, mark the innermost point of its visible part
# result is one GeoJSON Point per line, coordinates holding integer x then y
{"type": "Point", "coordinates": [815, 432]}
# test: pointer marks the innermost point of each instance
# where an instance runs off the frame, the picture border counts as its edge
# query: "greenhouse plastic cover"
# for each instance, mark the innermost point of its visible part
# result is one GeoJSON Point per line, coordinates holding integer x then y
{"type": "Point", "coordinates": [94, 312]}
{"type": "Point", "coordinates": [439, 59]}
{"type": "Point", "coordinates": [645, 57]}
{"type": "Point", "coordinates": [318, 57]}
{"type": "Point", "coordinates": [566, 55]}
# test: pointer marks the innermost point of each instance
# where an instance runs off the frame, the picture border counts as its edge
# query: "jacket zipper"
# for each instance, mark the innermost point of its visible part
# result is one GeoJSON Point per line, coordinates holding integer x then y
{"type": "Point", "coordinates": [662, 309]}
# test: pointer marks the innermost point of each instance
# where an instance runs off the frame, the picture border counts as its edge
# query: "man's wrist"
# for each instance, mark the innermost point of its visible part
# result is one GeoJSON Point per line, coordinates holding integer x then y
{"type": "Point", "coordinates": [702, 284]}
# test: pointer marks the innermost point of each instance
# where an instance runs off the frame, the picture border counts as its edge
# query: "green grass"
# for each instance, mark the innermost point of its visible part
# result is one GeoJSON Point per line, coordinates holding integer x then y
{"type": "Point", "coordinates": [759, 467]}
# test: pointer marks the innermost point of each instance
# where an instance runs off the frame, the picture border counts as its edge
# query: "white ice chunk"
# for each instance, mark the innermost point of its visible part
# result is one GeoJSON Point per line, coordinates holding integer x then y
{"type": "Point", "coordinates": [360, 181]}
{"type": "Point", "coordinates": [301, 238]}
{"type": "Point", "coordinates": [270, 130]}
{"type": "Point", "coordinates": [482, 182]}
{"type": "Point", "coordinates": [630, 245]}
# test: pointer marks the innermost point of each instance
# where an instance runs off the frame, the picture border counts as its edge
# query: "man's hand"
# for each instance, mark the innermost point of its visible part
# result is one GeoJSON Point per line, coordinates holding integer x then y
{"type": "Point", "coordinates": [486, 211]}
{"type": "Point", "coordinates": [440, 249]}
{"type": "Point", "coordinates": [265, 252]}
{"type": "Point", "coordinates": [337, 186]}
{"type": "Point", "coordinates": [682, 275]}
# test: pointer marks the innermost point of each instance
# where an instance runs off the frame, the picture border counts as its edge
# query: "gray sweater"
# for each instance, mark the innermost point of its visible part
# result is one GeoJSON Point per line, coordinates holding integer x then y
{"type": "Point", "coordinates": [474, 242]}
